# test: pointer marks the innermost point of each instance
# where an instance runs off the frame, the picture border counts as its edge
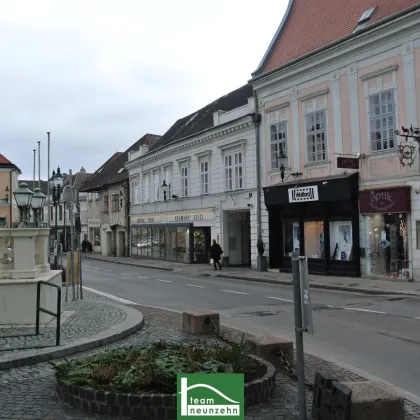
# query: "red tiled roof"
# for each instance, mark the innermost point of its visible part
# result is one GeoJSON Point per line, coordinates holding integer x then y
{"type": "Point", "coordinates": [312, 24]}
{"type": "Point", "coordinates": [4, 160]}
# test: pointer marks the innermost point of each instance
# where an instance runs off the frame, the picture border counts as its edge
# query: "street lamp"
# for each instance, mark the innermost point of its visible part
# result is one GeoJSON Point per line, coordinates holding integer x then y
{"type": "Point", "coordinates": [165, 189]}
{"type": "Point", "coordinates": [38, 205]}
{"type": "Point", "coordinates": [56, 183]}
{"type": "Point", "coordinates": [23, 196]}
{"type": "Point", "coordinates": [6, 197]}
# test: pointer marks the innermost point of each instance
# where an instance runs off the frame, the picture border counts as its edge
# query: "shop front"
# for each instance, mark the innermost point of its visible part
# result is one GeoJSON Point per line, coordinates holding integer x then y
{"type": "Point", "coordinates": [181, 237]}
{"type": "Point", "coordinates": [384, 232]}
{"type": "Point", "coordinates": [318, 218]}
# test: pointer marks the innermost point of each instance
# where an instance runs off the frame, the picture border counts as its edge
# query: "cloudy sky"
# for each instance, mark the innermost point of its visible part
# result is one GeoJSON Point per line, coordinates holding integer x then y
{"type": "Point", "coordinates": [99, 74]}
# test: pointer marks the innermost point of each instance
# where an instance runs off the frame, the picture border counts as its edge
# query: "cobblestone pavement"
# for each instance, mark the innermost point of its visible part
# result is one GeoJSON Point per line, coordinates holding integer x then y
{"type": "Point", "coordinates": [86, 317]}
{"type": "Point", "coordinates": [29, 392]}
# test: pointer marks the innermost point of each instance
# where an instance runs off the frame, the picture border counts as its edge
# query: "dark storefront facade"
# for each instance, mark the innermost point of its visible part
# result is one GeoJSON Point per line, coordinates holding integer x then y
{"type": "Point", "coordinates": [319, 218]}
{"type": "Point", "coordinates": [384, 234]}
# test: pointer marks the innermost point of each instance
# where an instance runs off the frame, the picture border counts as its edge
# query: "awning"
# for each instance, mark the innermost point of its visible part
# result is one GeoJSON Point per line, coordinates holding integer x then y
{"type": "Point", "coordinates": [332, 188]}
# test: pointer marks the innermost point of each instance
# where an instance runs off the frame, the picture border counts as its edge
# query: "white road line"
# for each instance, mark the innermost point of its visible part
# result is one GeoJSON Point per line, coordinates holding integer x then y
{"type": "Point", "coordinates": [116, 298]}
{"type": "Point", "coordinates": [164, 281]}
{"type": "Point", "coordinates": [233, 291]}
{"type": "Point", "coordinates": [126, 274]}
{"type": "Point", "coordinates": [194, 285]}
{"type": "Point", "coordinates": [88, 266]}
{"type": "Point", "coordinates": [108, 271]}
{"type": "Point", "coordinates": [96, 268]}
{"type": "Point", "coordinates": [417, 317]}
{"type": "Point", "coordinates": [142, 277]}
{"type": "Point", "coordinates": [365, 310]}
{"type": "Point", "coordinates": [277, 298]}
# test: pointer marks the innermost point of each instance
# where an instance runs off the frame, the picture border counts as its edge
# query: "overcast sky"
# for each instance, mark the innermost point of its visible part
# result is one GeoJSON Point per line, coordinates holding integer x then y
{"type": "Point", "coordinates": [98, 74]}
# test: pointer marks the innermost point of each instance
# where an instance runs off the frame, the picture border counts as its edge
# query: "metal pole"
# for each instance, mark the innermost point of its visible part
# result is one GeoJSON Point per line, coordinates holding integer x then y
{"type": "Point", "coordinates": [39, 164]}
{"type": "Point", "coordinates": [300, 366]}
{"type": "Point", "coordinates": [48, 198]}
{"type": "Point", "coordinates": [56, 204]}
{"type": "Point", "coordinates": [79, 233]}
{"type": "Point", "coordinates": [73, 286]}
{"type": "Point", "coordinates": [65, 228]}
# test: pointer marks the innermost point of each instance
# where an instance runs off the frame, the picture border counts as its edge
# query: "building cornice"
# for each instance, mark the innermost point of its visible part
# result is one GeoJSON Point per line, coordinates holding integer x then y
{"type": "Point", "coordinates": [340, 53]}
{"type": "Point", "coordinates": [379, 72]}
{"type": "Point", "coordinates": [215, 133]}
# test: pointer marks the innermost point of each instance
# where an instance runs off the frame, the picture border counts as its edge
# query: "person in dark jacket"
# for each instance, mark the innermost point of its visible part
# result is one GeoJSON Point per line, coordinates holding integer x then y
{"type": "Point", "coordinates": [215, 254]}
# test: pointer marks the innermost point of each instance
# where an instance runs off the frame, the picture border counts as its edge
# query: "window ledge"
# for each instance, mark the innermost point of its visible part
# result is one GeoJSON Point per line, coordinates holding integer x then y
{"type": "Point", "coordinates": [319, 163]}
{"type": "Point", "coordinates": [383, 152]}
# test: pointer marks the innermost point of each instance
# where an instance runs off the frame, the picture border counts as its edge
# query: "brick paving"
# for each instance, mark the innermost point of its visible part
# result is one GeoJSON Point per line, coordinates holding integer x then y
{"type": "Point", "coordinates": [87, 317]}
{"type": "Point", "coordinates": [29, 392]}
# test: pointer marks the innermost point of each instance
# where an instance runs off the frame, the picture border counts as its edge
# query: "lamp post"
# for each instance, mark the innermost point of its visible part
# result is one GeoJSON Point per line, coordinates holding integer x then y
{"type": "Point", "coordinates": [23, 196]}
{"type": "Point", "coordinates": [165, 189]}
{"type": "Point", "coordinates": [56, 183]}
{"type": "Point", "coordinates": [38, 200]}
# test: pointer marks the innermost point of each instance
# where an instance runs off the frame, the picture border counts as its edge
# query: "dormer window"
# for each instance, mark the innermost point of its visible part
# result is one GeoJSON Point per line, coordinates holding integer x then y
{"type": "Point", "coordinates": [364, 19]}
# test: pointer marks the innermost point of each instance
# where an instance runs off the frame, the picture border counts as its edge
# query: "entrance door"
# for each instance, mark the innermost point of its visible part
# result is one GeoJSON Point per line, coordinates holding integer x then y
{"type": "Point", "coordinates": [238, 237]}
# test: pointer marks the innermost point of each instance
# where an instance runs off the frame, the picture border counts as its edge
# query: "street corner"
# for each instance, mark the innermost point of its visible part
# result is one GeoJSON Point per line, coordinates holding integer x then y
{"type": "Point", "coordinates": [85, 324]}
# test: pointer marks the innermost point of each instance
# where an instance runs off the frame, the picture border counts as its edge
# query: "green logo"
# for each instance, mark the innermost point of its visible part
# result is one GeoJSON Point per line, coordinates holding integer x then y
{"type": "Point", "coordinates": [214, 395]}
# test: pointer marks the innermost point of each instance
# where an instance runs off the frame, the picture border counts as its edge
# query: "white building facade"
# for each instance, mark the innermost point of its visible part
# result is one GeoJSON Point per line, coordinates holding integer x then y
{"type": "Point", "coordinates": [190, 189]}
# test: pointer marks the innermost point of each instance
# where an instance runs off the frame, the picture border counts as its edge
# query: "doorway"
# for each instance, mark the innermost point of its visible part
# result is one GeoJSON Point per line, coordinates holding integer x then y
{"type": "Point", "coordinates": [238, 237]}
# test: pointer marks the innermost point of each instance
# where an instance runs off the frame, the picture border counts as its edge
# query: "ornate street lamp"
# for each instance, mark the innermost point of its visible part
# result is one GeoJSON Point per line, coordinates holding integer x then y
{"type": "Point", "coordinates": [56, 183]}
{"type": "Point", "coordinates": [6, 196]}
{"type": "Point", "coordinates": [38, 200]}
{"type": "Point", "coordinates": [406, 150]}
{"type": "Point", "coordinates": [165, 189]}
{"type": "Point", "coordinates": [23, 196]}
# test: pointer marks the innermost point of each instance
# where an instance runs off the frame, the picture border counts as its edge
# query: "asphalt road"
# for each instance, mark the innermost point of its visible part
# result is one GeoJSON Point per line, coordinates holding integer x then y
{"type": "Point", "coordinates": [378, 334]}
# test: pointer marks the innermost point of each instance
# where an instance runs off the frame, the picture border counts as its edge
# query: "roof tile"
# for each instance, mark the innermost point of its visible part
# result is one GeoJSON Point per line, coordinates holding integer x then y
{"type": "Point", "coordinates": [313, 24]}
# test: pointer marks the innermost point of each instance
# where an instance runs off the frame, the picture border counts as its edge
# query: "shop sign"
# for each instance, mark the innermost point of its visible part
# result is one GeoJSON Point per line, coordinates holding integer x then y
{"type": "Point", "coordinates": [347, 163]}
{"type": "Point", "coordinates": [191, 217]}
{"type": "Point", "coordinates": [300, 194]}
{"type": "Point", "coordinates": [147, 219]}
{"type": "Point", "coordinates": [391, 200]}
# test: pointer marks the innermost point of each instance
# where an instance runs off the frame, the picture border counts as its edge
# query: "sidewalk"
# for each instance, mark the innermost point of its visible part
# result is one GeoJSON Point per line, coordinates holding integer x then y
{"type": "Point", "coordinates": [361, 285]}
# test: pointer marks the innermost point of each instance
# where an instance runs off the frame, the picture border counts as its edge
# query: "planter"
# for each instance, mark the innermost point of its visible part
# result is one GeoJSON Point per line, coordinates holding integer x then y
{"type": "Point", "coordinates": [155, 406]}
{"type": "Point", "coordinates": [262, 263]}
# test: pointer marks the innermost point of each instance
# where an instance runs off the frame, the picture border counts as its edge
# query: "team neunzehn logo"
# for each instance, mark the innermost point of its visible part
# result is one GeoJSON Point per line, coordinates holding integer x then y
{"type": "Point", "coordinates": [214, 395]}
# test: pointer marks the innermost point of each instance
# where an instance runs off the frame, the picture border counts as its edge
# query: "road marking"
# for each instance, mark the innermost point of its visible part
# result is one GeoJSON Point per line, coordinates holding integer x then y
{"type": "Point", "coordinates": [417, 317]}
{"type": "Point", "coordinates": [365, 310]}
{"type": "Point", "coordinates": [233, 291]}
{"type": "Point", "coordinates": [116, 298]}
{"type": "Point", "coordinates": [142, 277]}
{"type": "Point", "coordinates": [96, 268]}
{"type": "Point", "coordinates": [277, 298]}
{"type": "Point", "coordinates": [330, 306]}
{"type": "Point", "coordinates": [126, 274]}
{"type": "Point", "coordinates": [194, 285]}
{"type": "Point", "coordinates": [88, 266]}
{"type": "Point", "coordinates": [165, 281]}
{"type": "Point", "coordinates": [108, 271]}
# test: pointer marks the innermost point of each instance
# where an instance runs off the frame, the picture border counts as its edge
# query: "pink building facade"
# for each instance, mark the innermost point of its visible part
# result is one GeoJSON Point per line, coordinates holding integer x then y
{"type": "Point", "coordinates": [336, 188]}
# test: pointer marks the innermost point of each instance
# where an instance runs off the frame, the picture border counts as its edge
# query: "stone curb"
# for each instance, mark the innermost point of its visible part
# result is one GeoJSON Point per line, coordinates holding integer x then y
{"type": "Point", "coordinates": [321, 286]}
{"type": "Point", "coordinates": [133, 322]}
{"type": "Point", "coordinates": [154, 406]}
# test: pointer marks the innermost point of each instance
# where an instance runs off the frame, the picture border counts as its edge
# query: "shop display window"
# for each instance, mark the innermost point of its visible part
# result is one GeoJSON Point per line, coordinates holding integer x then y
{"type": "Point", "coordinates": [314, 239]}
{"type": "Point", "coordinates": [387, 244]}
{"type": "Point", "coordinates": [341, 240]}
{"type": "Point", "coordinates": [291, 238]}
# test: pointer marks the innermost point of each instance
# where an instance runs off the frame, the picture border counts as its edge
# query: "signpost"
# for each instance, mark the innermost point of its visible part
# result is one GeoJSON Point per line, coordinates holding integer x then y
{"type": "Point", "coordinates": [303, 322]}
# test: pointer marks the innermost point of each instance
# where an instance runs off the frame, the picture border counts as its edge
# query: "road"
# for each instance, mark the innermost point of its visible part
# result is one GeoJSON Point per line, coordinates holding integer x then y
{"type": "Point", "coordinates": [378, 334]}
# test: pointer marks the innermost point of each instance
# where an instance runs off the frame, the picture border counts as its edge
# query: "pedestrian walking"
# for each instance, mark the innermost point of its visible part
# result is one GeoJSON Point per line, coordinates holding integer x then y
{"type": "Point", "coordinates": [215, 254]}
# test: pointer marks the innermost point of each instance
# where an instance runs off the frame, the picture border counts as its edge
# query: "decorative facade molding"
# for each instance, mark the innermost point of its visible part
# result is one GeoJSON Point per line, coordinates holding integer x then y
{"type": "Point", "coordinates": [313, 95]}
{"type": "Point", "coordinates": [183, 160]}
{"type": "Point", "coordinates": [380, 72]}
{"type": "Point", "coordinates": [201, 155]}
{"type": "Point", "coordinates": [240, 144]}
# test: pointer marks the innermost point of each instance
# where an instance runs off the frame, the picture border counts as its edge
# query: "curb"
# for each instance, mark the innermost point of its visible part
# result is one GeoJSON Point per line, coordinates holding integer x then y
{"type": "Point", "coordinates": [133, 322]}
{"type": "Point", "coordinates": [272, 281]}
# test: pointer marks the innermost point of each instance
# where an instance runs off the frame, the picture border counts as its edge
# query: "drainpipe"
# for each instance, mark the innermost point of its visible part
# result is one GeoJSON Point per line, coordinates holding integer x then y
{"type": "Point", "coordinates": [257, 120]}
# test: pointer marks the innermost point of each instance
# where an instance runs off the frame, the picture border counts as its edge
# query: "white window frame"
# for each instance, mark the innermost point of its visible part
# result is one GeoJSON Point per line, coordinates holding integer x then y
{"type": "Point", "coordinates": [380, 88]}
{"type": "Point", "coordinates": [97, 195]}
{"type": "Point", "coordinates": [156, 185]}
{"type": "Point", "coordinates": [106, 202]}
{"type": "Point", "coordinates": [232, 180]}
{"type": "Point", "coordinates": [134, 190]}
{"type": "Point", "coordinates": [316, 107]}
{"type": "Point", "coordinates": [185, 175]}
{"type": "Point", "coordinates": [146, 187]}
{"type": "Point", "coordinates": [167, 177]}
{"type": "Point", "coordinates": [204, 176]}
{"type": "Point", "coordinates": [277, 118]}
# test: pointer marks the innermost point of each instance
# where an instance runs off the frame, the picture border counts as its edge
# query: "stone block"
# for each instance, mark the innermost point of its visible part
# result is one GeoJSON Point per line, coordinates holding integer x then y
{"type": "Point", "coordinates": [267, 348]}
{"type": "Point", "coordinates": [194, 322]}
{"type": "Point", "coordinates": [374, 401]}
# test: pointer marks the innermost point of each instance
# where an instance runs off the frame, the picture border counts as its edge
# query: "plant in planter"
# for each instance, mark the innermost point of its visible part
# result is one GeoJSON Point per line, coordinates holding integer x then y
{"type": "Point", "coordinates": [261, 259]}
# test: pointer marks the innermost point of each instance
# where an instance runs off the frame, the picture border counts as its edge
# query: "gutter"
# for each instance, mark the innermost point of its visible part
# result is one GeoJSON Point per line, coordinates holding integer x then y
{"type": "Point", "coordinates": [338, 42]}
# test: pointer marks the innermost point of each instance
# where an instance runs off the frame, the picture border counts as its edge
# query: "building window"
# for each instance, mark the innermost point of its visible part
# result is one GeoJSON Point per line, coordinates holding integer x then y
{"type": "Point", "coordinates": [146, 188]}
{"type": "Point", "coordinates": [106, 203]}
{"type": "Point", "coordinates": [204, 176]}
{"type": "Point", "coordinates": [167, 176]}
{"type": "Point", "coordinates": [3, 221]}
{"type": "Point", "coordinates": [115, 202]}
{"type": "Point", "coordinates": [60, 213]}
{"type": "Point", "coordinates": [156, 186]}
{"type": "Point", "coordinates": [234, 172]}
{"type": "Point", "coordinates": [418, 234]}
{"type": "Point", "coordinates": [97, 195]}
{"type": "Point", "coordinates": [90, 196]}
{"type": "Point", "coordinates": [51, 214]}
{"type": "Point", "coordinates": [184, 181]}
{"type": "Point", "coordinates": [382, 120]}
{"type": "Point", "coordinates": [278, 141]}
{"type": "Point", "coordinates": [315, 135]}
{"type": "Point", "coordinates": [134, 191]}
